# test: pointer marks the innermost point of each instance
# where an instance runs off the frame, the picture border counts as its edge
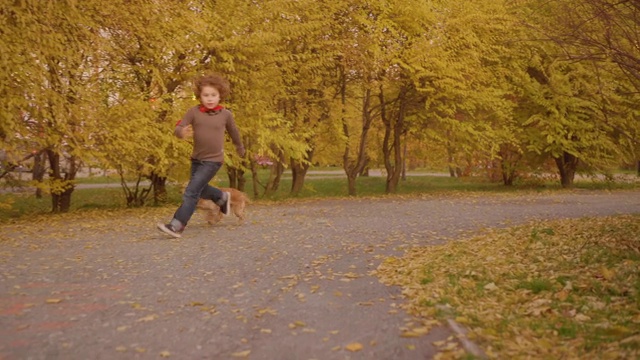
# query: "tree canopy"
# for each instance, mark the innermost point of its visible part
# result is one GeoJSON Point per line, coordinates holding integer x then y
{"type": "Point", "coordinates": [503, 88]}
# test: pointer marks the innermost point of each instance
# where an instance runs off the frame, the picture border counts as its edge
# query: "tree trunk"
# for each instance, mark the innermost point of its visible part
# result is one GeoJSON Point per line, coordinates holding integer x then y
{"type": "Point", "coordinates": [567, 164]}
{"type": "Point", "coordinates": [508, 164]}
{"type": "Point", "coordinates": [507, 178]}
{"type": "Point", "coordinates": [365, 169]}
{"type": "Point", "coordinates": [159, 185]}
{"type": "Point", "coordinates": [386, 151]}
{"type": "Point", "coordinates": [254, 178]}
{"type": "Point", "coordinates": [298, 173]}
{"type": "Point", "coordinates": [403, 176]}
{"type": "Point", "coordinates": [236, 178]}
{"type": "Point", "coordinates": [354, 167]}
{"type": "Point", "coordinates": [274, 178]}
{"type": "Point", "coordinates": [62, 185]}
{"type": "Point", "coordinates": [394, 129]}
{"type": "Point", "coordinates": [61, 201]}
{"type": "Point", "coordinates": [393, 178]}
{"type": "Point", "coordinates": [232, 175]}
{"type": "Point", "coordinates": [39, 168]}
{"type": "Point", "coordinates": [452, 170]}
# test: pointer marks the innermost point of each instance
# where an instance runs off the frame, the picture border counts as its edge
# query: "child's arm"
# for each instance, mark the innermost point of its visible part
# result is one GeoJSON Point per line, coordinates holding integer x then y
{"type": "Point", "coordinates": [184, 132]}
{"type": "Point", "coordinates": [184, 129]}
{"type": "Point", "coordinates": [235, 136]}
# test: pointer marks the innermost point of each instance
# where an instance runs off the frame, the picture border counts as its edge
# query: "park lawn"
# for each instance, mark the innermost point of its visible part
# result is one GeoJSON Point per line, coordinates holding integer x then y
{"type": "Point", "coordinates": [16, 205]}
{"type": "Point", "coordinates": [566, 289]}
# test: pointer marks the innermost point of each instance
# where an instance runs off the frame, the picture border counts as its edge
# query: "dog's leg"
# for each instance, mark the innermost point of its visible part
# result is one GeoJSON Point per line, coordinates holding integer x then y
{"type": "Point", "coordinates": [238, 210]}
{"type": "Point", "coordinates": [214, 215]}
{"type": "Point", "coordinates": [218, 216]}
{"type": "Point", "coordinates": [210, 216]}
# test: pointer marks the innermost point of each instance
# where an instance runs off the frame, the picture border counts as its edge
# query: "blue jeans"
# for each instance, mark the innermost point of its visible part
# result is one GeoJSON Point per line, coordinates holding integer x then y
{"type": "Point", "coordinates": [201, 173]}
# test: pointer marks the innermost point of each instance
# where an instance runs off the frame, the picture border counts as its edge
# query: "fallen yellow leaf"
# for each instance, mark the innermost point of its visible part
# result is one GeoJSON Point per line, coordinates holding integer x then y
{"type": "Point", "coordinates": [562, 295]}
{"type": "Point", "coordinates": [582, 317]}
{"type": "Point", "coordinates": [607, 273]}
{"type": "Point", "coordinates": [296, 324]}
{"type": "Point", "coordinates": [491, 287]}
{"type": "Point", "coordinates": [148, 318]}
{"type": "Point", "coordinates": [53, 301]}
{"type": "Point", "coordinates": [356, 346]}
{"type": "Point", "coordinates": [450, 346]}
{"type": "Point", "coordinates": [409, 334]}
{"type": "Point", "coordinates": [241, 353]}
{"type": "Point", "coordinates": [631, 339]}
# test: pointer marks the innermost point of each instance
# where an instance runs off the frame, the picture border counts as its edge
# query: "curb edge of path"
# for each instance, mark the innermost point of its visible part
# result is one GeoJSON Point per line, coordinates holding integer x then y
{"type": "Point", "coordinates": [461, 333]}
{"type": "Point", "coordinates": [468, 345]}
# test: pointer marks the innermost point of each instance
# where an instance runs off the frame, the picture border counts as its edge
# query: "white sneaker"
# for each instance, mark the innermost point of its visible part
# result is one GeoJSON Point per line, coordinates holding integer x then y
{"type": "Point", "coordinates": [226, 207]}
{"type": "Point", "coordinates": [168, 229]}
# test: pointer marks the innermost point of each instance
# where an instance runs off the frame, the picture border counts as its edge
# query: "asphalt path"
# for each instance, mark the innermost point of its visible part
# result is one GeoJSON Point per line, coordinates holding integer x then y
{"type": "Point", "coordinates": [296, 281]}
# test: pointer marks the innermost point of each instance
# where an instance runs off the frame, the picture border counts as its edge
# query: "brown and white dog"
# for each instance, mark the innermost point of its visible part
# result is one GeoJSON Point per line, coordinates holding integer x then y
{"type": "Point", "coordinates": [239, 201]}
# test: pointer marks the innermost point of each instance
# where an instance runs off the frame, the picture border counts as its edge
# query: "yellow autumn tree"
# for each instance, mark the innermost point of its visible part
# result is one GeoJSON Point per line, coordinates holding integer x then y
{"type": "Point", "coordinates": [50, 89]}
{"type": "Point", "coordinates": [580, 105]}
{"type": "Point", "coordinates": [155, 50]}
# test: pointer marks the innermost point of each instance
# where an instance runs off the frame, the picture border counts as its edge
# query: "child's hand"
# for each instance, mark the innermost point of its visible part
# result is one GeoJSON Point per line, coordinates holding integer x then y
{"type": "Point", "coordinates": [187, 132]}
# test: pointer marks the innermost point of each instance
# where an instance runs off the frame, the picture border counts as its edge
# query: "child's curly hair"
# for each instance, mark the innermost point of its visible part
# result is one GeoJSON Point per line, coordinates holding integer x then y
{"type": "Point", "coordinates": [221, 84]}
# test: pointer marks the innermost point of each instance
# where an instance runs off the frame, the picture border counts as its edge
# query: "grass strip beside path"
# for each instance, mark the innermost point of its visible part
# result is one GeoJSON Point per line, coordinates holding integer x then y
{"type": "Point", "coordinates": [566, 289]}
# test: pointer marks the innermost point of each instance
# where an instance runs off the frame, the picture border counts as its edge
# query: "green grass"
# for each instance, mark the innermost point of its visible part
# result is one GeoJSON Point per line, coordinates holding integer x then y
{"type": "Point", "coordinates": [537, 285]}
{"type": "Point", "coordinates": [110, 179]}
{"type": "Point", "coordinates": [15, 205]}
{"type": "Point", "coordinates": [24, 204]}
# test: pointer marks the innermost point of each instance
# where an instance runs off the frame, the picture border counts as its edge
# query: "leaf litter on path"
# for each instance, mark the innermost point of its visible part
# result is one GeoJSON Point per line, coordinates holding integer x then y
{"type": "Point", "coordinates": [551, 289]}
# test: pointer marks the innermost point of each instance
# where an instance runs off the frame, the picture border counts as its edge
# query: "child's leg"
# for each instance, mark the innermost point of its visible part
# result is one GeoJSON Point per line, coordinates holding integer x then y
{"type": "Point", "coordinates": [201, 173]}
{"type": "Point", "coordinates": [212, 193]}
{"type": "Point", "coordinates": [219, 197]}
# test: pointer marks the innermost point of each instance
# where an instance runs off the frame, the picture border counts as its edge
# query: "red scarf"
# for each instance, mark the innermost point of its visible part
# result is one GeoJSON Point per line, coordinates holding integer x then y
{"type": "Point", "coordinates": [205, 109]}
